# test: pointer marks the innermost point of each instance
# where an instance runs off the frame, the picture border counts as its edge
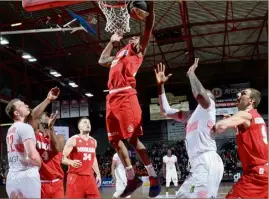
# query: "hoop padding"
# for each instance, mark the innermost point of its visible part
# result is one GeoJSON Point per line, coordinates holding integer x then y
{"type": "Point", "coordinates": [117, 16]}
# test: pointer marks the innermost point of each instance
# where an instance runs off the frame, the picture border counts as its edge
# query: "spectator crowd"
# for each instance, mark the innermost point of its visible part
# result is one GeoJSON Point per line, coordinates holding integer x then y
{"type": "Point", "coordinates": [228, 153]}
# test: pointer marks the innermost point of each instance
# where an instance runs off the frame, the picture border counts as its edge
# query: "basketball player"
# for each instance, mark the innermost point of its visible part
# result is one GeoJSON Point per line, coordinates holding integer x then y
{"type": "Point", "coordinates": [50, 149]}
{"type": "Point", "coordinates": [79, 155]}
{"type": "Point", "coordinates": [119, 175]}
{"type": "Point", "coordinates": [252, 144]}
{"type": "Point", "coordinates": [206, 165]}
{"type": "Point", "coordinates": [23, 179]}
{"type": "Point", "coordinates": [170, 168]}
{"type": "Point", "coordinates": [123, 112]}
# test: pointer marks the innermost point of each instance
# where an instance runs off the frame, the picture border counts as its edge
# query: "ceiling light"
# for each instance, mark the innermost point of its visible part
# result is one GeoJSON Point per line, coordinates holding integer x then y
{"type": "Point", "coordinates": [105, 91]}
{"type": "Point", "coordinates": [73, 84]}
{"type": "Point", "coordinates": [89, 94]}
{"type": "Point", "coordinates": [3, 41]}
{"type": "Point", "coordinates": [32, 60]}
{"type": "Point", "coordinates": [53, 72]}
{"type": "Point", "coordinates": [16, 24]}
{"type": "Point", "coordinates": [26, 56]}
{"type": "Point", "coordinates": [57, 75]}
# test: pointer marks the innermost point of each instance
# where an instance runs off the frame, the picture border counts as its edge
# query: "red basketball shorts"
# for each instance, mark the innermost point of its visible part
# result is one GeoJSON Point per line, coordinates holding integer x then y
{"type": "Point", "coordinates": [251, 185]}
{"type": "Point", "coordinates": [52, 189]}
{"type": "Point", "coordinates": [78, 186]}
{"type": "Point", "coordinates": [123, 117]}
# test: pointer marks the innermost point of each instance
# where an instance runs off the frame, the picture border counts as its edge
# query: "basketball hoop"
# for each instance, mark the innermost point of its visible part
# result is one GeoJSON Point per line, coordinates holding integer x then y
{"type": "Point", "coordinates": [117, 15]}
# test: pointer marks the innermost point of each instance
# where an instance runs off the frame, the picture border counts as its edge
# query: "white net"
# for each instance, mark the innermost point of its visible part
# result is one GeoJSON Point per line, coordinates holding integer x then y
{"type": "Point", "coordinates": [117, 16]}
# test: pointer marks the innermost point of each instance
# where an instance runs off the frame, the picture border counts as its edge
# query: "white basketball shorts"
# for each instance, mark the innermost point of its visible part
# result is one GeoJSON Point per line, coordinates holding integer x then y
{"type": "Point", "coordinates": [24, 184]}
{"type": "Point", "coordinates": [171, 176]}
{"type": "Point", "coordinates": [205, 176]}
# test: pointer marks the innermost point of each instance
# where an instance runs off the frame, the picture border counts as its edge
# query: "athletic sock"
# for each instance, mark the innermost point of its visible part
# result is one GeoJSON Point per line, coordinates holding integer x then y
{"type": "Point", "coordinates": [151, 171]}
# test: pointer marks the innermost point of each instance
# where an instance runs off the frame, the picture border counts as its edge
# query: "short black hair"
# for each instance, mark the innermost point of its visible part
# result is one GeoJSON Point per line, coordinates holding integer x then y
{"type": "Point", "coordinates": [10, 108]}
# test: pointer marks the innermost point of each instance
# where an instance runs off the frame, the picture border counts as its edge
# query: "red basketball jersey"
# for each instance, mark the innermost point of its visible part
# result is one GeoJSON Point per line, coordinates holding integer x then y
{"type": "Point", "coordinates": [124, 68]}
{"type": "Point", "coordinates": [85, 152]}
{"type": "Point", "coordinates": [252, 142]}
{"type": "Point", "coordinates": [51, 161]}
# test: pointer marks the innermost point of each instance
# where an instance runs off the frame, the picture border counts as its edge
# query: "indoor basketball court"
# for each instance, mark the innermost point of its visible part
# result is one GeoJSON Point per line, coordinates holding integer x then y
{"type": "Point", "coordinates": [143, 192]}
{"type": "Point", "coordinates": [49, 43]}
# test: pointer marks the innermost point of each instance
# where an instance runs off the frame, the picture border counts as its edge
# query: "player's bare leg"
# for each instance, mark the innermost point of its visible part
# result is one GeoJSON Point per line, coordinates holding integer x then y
{"type": "Point", "coordinates": [155, 187]}
{"type": "Point", "coordinates": [133, 182]}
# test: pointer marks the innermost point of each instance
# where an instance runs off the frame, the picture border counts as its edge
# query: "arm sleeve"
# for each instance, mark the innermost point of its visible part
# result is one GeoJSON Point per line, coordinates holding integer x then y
{"type": "Point", "coordinates": [168, 111]}
{"type": "Point", "coordinates": [26, 132]}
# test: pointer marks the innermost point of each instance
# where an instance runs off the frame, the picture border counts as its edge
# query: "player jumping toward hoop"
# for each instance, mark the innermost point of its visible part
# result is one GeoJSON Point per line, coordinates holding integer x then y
{"type": "Point", "coordinates": [206, 165]}
{"type": "Point", "coordinates": [251, 137]}
{"type": "Point", "coordinates": [123, 112]}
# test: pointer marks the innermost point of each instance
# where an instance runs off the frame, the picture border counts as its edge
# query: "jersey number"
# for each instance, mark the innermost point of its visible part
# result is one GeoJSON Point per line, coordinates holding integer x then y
{"type": "Point", "coordinates": [87, 156]}
{"type": "Point", "coordinates": [264, 134]}
{"type": "Point", "coordinates": [45, 155]}
{"type": "Point", "coordinates": [10, 145]}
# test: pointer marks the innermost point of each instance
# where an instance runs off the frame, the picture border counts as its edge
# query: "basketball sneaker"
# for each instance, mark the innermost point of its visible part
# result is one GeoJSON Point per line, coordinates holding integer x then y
{"type": "Point", "coordinates": [155, 187]}
{"type": "Point", "coordinates": [132, 185]}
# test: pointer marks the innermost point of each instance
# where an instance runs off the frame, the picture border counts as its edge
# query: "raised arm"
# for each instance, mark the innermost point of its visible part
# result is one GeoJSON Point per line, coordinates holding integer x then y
{"type": "Point", "coordinates": [197, 88]}
{"type": "Point", "coordinates": [106, 58]}
{"type": "Point", "coordinates": [169, 112]}
{"type": "Point", "coordinates": [239, 118]}
{"type": "Point", "coordinates": [71, 142]}
{"type": "Point", "coordinates": [56, 143]}
{"type": "Point", "coordinates": [52, 95]}
{"type": "Point", "coordinates": [144, 39]}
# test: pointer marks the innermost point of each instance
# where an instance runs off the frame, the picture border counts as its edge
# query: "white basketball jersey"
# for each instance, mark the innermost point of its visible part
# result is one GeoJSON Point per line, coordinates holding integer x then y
{"type": "Point", "coordinates": [198, 137]}
{"type": "Point", "coordinates": [120, 172]}
{"type": "Point", "coordinates": [17, 157]}
{"type": "Point", "coordinates": [170, 162]}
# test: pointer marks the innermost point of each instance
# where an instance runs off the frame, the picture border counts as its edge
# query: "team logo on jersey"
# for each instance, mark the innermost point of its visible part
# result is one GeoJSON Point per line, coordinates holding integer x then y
{"type": "Point", "coordinates": [112, 134]}
{"type": "Point", "coordinates": [192, 188]}
{"type": "Point", "coordinates": [130, 129]}
{"type": "Point", "coordinates": [259, 120]}
{"type": "Point", "coordinates": [122, 53]}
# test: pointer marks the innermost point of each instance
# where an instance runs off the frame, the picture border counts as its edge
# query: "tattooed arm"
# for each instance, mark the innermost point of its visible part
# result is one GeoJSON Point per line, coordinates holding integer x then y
{"type": "Point", "coordinates": [197, 88]}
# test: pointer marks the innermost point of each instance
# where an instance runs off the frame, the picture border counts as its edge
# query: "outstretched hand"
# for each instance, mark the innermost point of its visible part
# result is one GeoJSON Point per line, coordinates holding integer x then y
{"type": "Point", "coordinates": [52, 119]}
{"type": "Point", "coordinates": [193, 67]}
{"type": "Point", "coordinates": [116, 37]}
{"type": "Point", "coordinates": [53, 94]}
{"type": "Point", "coordinates": [160, 74]}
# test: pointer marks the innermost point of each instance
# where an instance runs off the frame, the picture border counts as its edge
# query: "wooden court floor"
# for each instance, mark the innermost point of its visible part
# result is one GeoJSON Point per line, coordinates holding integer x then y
{"type": "Point", "coordinates": [107, 192]}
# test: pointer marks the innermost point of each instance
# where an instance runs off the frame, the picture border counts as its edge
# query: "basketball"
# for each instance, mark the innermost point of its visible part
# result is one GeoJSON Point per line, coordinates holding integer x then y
{"type": "Point", "coordinates": [138, 10]}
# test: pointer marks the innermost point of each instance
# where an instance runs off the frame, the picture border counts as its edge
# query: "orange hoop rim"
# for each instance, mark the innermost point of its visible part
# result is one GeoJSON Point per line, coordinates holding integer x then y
{"type": "Point", "coordinates": [120, 5]}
